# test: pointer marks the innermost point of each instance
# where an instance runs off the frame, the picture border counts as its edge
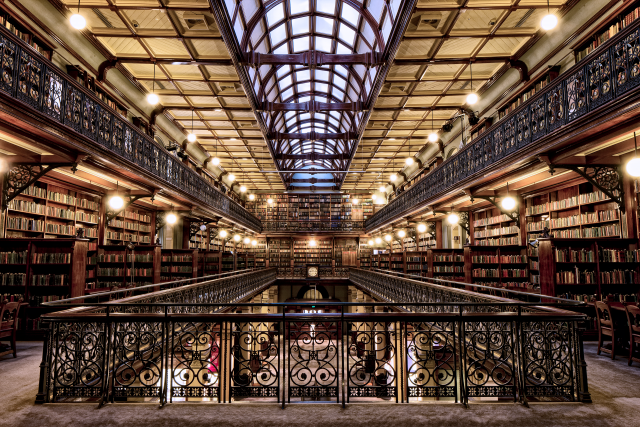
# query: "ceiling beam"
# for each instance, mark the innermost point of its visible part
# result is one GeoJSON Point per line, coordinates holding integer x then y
{"type": "Point", "coordinates": [312, 106]}
{"type": "Point", "coordinates": [312, 58]}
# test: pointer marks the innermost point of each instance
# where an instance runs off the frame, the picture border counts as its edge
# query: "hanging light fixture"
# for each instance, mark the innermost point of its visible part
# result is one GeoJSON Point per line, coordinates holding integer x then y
{"type": "Point", "coordinates": [223, 233]}
{"type": "Point", "coordinates": [77, 21]}
{"type": "Point", "coordinates": [393, 177]}
{"type": "Point", "coordinates": [216, 160]}
{"type": "Point", "coordinates": [152, 98]}
{"type": "Point", "coordinates": [116, 202]}
{"type": "Point", "coordinates": [192, 136]}
{"type": "Point", "coordinates": [388, 237]}
{"type": "Point", "coordinates": [472, 98]}
{"type": "Point", "coordinates": [508, 203]}
{"type": "Point", "coordinates": [453, 217]}
{"type": "Point", "coordinates": [232, 177]}
{"type": "Point", "coordinates": [252, 196]}
{"type": "Point", "coordinates": [422, 228]}
{"type": "Point", "coordinates": [243, 188]}
{"type": "Point", "coordinates": [254, 242]}
{"type": "Point", "coordinates": [354, 201]}
{"type": "Point", "coordinates": [270, 200]}
{"type": "Point", "coordinates": [378, 240]}
{"type": "Point", "coordinates": [370, 242]}
{"type": "Point", "coordinates": [549, 21]}
{"type": "Point", "coordinates": [401, 233]}
{"type": "Point", "coordinates": [171, 218]}
{"type": "Point", "coordinates": [409, 160]}
{"type": "Point", "coordinates": [374, 196]}
{"type": "Point", "coordinates": [433, 136]}
{"type": "Point", "coordinates": [246, 240]}
{"type": "Point", "coordinates": [236, 237]}
{"type": "Point", "coordinates": [312, 243]}
{"type": "Point", "coordinates": [633, 166]}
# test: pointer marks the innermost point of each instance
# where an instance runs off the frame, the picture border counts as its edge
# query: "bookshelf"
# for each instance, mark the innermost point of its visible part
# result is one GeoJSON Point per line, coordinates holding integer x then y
{"type": "Point", "coordinates": [320, 254]}
{"type": "Point", "coordinates": [365, 256]}
{"type": "Point", "coordinates": [280, 255]}
{"type": "Point", "coordinates": [501, 267]}
{"type": "Point", "coordinates": [114, 267]}
{"type": "Point", "coordinates": [83, 78]}
{"type": "Point", "coordinates": [209, 263]}
{"type": "Point", "coordinates": [133, 224]}
{"type": "Point", "coordinates": [260, 253]}
{"type": "Point", "coordinates": [577, 211]}
{"type": "Point", "coordinates": [227, 261]}
{"type": "Point", "coordinates": [397, 262]}
{"type": "Point", "coordinates": [493, 228]}
{"type": "Point", "coordinates": [178, 264]}
{"type": "Point", "coordinates": [533, 86]}
{"type": "Point", "coordinates": [588, 269]}
{"type": "Point", "coordinates": [445, 264]}
{"type": "Point", "coordinates": [27, 34]}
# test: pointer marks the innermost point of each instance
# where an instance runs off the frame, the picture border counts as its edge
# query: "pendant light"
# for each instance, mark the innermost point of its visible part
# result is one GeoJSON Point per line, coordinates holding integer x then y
{"type": "Point", "coordinates": [549, 21]}
{"type": "Point", "coordinates": [116, 202]}
{"type": "Point", "coordinates": [192, 136]}
{"type": "Point", "coordinates": [152, 98]}
{"type": "Point", "coordinates": [243, 188]}
{"type": "Point", "coordinates": [453, 217]}
{"type": "Point", "coordinates": [171, 217]}
{"type": "Point", "coordinates": [633, 166]}
{"type": "Point", "coordinates": [409, 160]}
{"type": "Point", "coordinates": [433, 136]}
{"type": "Point", "coordinates": [472, 98]}
{"type": "Point", "coordinates": [216, 160]}
{"type": "Point", "coordinates": [77, 21]}
{"type": "Point", "coordinates": [508, 203]}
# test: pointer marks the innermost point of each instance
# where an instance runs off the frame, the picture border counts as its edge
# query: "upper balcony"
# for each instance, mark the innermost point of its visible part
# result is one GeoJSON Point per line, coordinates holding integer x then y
{"type": "Point", "coordinates": [606, 77]}
{"type": "Point", "coordinates": [35, 83]}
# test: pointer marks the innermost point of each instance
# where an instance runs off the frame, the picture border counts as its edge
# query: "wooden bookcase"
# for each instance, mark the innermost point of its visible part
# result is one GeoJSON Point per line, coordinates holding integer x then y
{"type": "Point", "coordinates": [577, 211]}
{"type": "Point", "coordinates": [446, 264]}
{"type": "Point", "coordinates": [280, 255]}
{"type": "Point", "coordinates": [227, 261]}
{"type": "Point", "coordinates": [113, 267]}
{"type": "Point", "coordinates": [365, 256]}
{"type": "Point", "coordinates": [133, 224]}
{"type": "Point", "coordinates": [587, 269]}
{"type": "Point", "coordinates": [493, 228]}
{"type": "Point", "coordinates": [397, 262]}
{"type": "Point", "coordinates": [260, 252]}
{"type": "Point", "coordinates": [21, 29]}
{"type": "Point", "coordinates": [209, 263]}
{"type": "Point", "coordinates": [39, 270]}
{"type": "Point", "coordinates": [499, 266]}
{"type": "Point", "coordinates": [530, 88]}
{"type": "Point", "coordinates": [178, 264]}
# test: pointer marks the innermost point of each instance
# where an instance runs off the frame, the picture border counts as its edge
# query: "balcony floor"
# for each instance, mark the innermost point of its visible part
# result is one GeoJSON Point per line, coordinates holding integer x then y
{"type": "Point", "coordinates": [614, 386]}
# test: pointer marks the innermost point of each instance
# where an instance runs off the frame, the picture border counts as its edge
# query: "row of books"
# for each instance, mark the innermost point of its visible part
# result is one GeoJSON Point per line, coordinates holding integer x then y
{"type": "Point", "coordinates": [570, 255]}
{"type": "Point", "coordinates": [490, 221]}
{"type": "Point", "coordinates": [576, 276]}
{"type": "Point", "coordinates": [495, 232]}
{"type": "Point", "coordinates": [627, 277]}
{"type": "Point", "coordinates": [448, 269]}
{"type": "Point", "coordinates": [13, 257]}
{"type": "Point", "coordinates": [618, 255]}
{"type": "Point", "coordinates": [49, 279]}
{"type": "Point", "coordinates": [607, 33]}
{"type": "Point", "coordinates": [51, 258]}
{"type": "Point", "coordinates": [177, 258]}
{"type": "Point", "coordinates": [13, 279]}
{"type": "Point", "coordinates": [503, 241]}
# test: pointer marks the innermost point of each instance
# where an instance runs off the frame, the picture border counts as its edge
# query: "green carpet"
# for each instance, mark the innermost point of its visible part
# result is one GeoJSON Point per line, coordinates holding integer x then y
{"type": "Point", "coordinates": [615, 388]}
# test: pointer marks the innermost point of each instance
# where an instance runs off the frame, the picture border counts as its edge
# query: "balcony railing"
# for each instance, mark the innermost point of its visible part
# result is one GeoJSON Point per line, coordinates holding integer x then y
{"type": "Point", "coordinates": [306, 226]}
{"type": "Point", "coordinates": [609, 73]}
{"type": "Point", "coordinates": [37, 83]}
{"type": "Point", "coordinates": [447, 344]}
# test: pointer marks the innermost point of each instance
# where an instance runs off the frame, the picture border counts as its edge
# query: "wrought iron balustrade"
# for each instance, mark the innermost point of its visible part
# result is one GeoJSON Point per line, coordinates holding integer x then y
{"type": "Point", "coordinates": [179, 346]}
{"type": "Point", "coordinates": [307, 226]}
{"type": "Point", "coordinates": [38, 84]}
{"type": "Point", "coordinates": [610, 72]}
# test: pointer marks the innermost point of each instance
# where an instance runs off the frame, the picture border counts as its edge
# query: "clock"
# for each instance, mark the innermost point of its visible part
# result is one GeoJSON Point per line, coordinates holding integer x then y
{"type": "Point", "coordinates": [312, 271]}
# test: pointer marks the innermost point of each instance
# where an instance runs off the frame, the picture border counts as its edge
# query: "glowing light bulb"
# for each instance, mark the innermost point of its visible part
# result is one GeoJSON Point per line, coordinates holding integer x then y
{"type": "Point", "coordinates": [633, 167]}
{"type": "Point", "coordinates": [422, 228]}
{"type": "Point", "coordinates": [116, 202]}
{"type": "Point", "coordinates": [433, 137]}
{"type": "Point", "coordinates": [370, 242]}
{"type": "Point", "coordinates": [374, 196]}
{"type": "Point", "coordinates": [254, 242]}
{"type": "Point", "coordinates": [243, 188]}
{"type": "Point", "coordinates": [355, 201]}
{"type": "Point", "coordinates": [270, 200]}
{"type": "Point", "coordinates": [401, 233]}
{"type": "Point", "coordinates": [252, 196]}
{"type": "Point", "coordinates": [215, 161]}
{"type": "Point", "coordinates": [393, 177]}
{"type": "Point", "coordinates": [549, 22]}
{"type": "Point", "coordinates": [171, 218]}
{"type": "Point", "coordinates": [312, 243]}
{"type": "Point", "coordinates": [191, 137]}
{"type": "Point", "coordinates": [223, 233]}
{"type": "Point", "coordinates": [409, 161]}
{"type": "Point", "coordinates": [232, 177]}
{"type": "Point", "coordinates": [246, 241]}
{"type": "Point", "coordinates": [237, 237]}
{"type": "Point", "coordinates": [388, 237]}
{"type": "Point", "coordinates": [382, 189]}
{"type": "Point", "coordinates": [472, 98]}
{"type": "Point", "coordinates": [378, 240]}
{"type": "Point", "coordinates": [509, 203]}
{"type": "Point", "coordinates": [77, 21]}
{"type": "Point", "coordinates": [453, 218]}
{"type": "Point", "coordinates": [153, 99]}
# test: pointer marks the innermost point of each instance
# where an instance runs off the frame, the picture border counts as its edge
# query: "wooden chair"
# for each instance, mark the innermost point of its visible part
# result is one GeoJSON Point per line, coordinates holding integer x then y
{"type": "Point", "coordinates": [9, 312]}
{"type": "Point", "coordinates": [633, 320]}
{"type": "Point", "coordinates": [605, 327]}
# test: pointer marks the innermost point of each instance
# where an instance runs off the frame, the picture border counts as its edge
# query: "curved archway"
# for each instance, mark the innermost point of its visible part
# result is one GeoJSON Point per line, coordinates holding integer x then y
{"type": "Point", "coordinates": [306, 288]}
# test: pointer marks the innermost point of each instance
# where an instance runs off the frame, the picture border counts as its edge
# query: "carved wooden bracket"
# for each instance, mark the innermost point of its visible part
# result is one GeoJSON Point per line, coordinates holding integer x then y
{"type": "Point", "coordinates": [20, 176]}
{"type": "Point", "coordinates": [605, 178]}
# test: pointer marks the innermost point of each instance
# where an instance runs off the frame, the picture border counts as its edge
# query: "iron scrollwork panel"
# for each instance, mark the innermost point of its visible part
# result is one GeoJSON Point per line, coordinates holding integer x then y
{"type": "Point", "coordinates": [255, 360]}
{"type": "Point", "coordinates": [89, 117]}
{"type": "Point", "coordinates": [52, 97]}
{"type": "Point", "coordinates": [627, 62]}
{"type": "Point", "coordinates": [104, 127]}
{"type": "Point", "coordinates": [78, 360]}
{"type": "Point", "coordinates": [7, 62]}
{"type": "Point", "coordinates": [127, 143]}
{"type": "Point", "coordinates": [555, 107]}
{"type": "Point", "coordinates": [509, 135]}
{"type": "Point", "coordinates": [29, 79]}
{"type": "Point", "coordinates": [313, 359]}
{"type": "Point", "coordinates": [498, 143]}
{"type": "Point", "coordinates": [73, 107]}
{"type": "Point", "coordinates": [523, 127]}
{"type": "Point", "coordinates": [117, 136]}
{"type": "Point", "coordinates": [431, 359]}
{"type": "Point", "coordinates": [195, 360]}
{"type": "Point", "coordinates": [371, 358]}
{"type": "Point", "coordinates": [538, 119]}
{"type": "Point", "coordinates": [600, 83]}
{"type": "Point", "coordinates": [137, 360]}
{"type": "Point", "coordinates": [488, 355]}
{"type": "Point", "coordinates": [576, 95]}
{"type": "Point", "coordinates": [548, 359]}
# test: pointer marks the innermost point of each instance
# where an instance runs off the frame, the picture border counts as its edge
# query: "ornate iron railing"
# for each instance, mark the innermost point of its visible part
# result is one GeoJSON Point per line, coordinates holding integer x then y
{"type": "Point", "coordinates": [306, 226]}
{"type": "Point", "coordinates": [38, 84]}
{"type": "Point", "coordinates": [609, 73]}
{"type": "Point", "coordinates": [192, 346]}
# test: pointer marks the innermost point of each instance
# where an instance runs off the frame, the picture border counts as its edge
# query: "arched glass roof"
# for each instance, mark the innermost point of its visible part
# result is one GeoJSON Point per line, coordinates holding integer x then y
{"type": "Point", "coordinates": [286, 27]}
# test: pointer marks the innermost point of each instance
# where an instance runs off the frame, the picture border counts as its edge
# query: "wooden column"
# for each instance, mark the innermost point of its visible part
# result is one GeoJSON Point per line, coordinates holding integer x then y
{"type": "Point", "coordinates": [522, 224]}
{"type": "Point", "coordinates": [547, 267]}
{"type": "Point", "coordinates": [186, 230]}
{"type": "Point", "coordinates": [438, 234]}
{"type": "Point", "coordinates": [468, 264]}
{"type": "Point", "coordinates": [630, 206]}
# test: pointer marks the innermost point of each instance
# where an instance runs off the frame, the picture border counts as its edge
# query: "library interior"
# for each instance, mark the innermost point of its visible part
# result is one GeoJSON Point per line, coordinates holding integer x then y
{"type": "Point", "coordinates": [433, 204]}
